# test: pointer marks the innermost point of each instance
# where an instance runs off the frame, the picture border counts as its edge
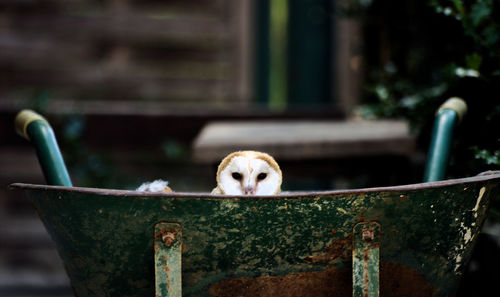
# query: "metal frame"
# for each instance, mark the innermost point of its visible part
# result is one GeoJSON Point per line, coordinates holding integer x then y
{"type": "Point", "coordinates": [168, 259]}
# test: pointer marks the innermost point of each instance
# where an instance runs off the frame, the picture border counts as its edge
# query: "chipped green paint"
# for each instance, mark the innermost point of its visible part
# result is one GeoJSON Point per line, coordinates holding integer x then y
{"type": "Point", "coordinates": [448, 115]}
{"type": "Point", "coordinates": [49, 155]}
{"type": "Point", "coordinates": [365, 259]}
{"type": "Point", "coordinates": [168, 256]}
{"type": "Point", "coordinates": [106, 237]}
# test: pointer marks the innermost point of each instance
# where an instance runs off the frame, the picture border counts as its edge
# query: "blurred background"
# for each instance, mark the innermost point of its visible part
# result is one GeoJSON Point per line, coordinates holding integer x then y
{"type": "Point", "coordinates": [143, 89]}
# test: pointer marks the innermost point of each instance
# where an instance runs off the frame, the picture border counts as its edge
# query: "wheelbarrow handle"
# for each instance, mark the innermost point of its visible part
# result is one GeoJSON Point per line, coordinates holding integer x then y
{"type": "Point", "coordinates": [36, 129]}
{"type": "Point", "coordinates": [447, 116]}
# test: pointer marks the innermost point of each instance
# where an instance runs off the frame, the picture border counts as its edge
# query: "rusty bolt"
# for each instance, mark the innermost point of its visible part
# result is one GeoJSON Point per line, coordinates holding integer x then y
{"type": "Point", "coordinates": [168, 238]}
{"type": "Point", "coordinates": [367, 234]}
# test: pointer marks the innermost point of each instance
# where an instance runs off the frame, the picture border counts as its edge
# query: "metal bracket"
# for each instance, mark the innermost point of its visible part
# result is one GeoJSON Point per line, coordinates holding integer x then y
{"type": "Point", "coordinates": [365, 259]}
{"type": "Point", "coordinates": [168, 252]}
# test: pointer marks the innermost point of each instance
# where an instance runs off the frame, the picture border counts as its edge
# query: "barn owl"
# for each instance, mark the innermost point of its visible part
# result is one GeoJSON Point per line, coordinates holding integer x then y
{"type": "Point", "coordinates": [248, 173]}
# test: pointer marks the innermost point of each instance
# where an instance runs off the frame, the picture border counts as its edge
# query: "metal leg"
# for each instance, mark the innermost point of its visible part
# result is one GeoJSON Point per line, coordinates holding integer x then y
{"type": "Point", "coordinates": [365, 260]}
{"type": "Point", "coordinates": [168, 251]}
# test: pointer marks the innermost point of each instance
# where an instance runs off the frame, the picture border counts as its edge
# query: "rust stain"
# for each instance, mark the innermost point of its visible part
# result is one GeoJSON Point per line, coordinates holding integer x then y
{"type": "Point", "coordinates": [366, 257]}
{"type": "Point", "coordinates": [395, 281]}
{"type": "Point", "coordinates": [167, 278]}
{"type": "Point", "coordinates": [339, 248]}
{"type": "Point", "coordinates": [315, 283]}
{"type": "Point", "coordinates": [367, 233]}
{"type": "Point", "coordinates": [167, 236]}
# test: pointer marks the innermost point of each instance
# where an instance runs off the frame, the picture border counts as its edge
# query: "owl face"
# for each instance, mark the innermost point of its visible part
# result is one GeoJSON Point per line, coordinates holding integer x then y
{"type": "Point", "coordinates": [249, 173]}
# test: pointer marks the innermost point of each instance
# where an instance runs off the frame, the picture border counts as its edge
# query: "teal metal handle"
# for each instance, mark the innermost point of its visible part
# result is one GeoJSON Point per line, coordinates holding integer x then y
{"type": "Point", "coordinates": [35, 128]}
{"type": "Point", "coordinates": [448, 115]}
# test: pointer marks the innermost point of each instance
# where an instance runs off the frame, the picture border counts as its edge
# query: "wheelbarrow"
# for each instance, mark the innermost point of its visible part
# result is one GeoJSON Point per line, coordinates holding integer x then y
{"type": "Point", "coordinates": [410, 240]}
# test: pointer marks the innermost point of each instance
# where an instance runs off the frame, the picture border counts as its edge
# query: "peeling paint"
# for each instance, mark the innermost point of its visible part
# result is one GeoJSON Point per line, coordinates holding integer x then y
{"type": "Point", "coordinates": [234, 238]}
{"type": "Point", "coordinates": [468, 233]}
{"type": "Point", "coordinates": [342, 210]}
{"type": "Point", "coordinates": [458, 261]}
{"type": "Point", "coordinates": [228, 205]}
{"type": "Point", "coordinates": [478, 202]}
{"type": "Point", "coordinates": [338, 249]}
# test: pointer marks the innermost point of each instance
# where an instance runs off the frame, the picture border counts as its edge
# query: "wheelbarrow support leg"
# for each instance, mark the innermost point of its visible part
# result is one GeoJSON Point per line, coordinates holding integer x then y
{"type": "Point", "coordinates": [168, 251]}
{"type": "Point", "coordinates": [365, 260]}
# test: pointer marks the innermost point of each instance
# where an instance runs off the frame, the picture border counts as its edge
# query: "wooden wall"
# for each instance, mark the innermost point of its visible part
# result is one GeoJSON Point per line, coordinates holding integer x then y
{"type": "Point", "coordinates": [73, 54]}
{"type": "Point", "coordinates": [114, 57]}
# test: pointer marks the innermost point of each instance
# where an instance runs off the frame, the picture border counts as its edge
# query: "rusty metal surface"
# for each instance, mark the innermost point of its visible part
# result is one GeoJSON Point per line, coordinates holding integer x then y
{"type": "Point", "coordinates": [485, 176]}
{"type": "Point", "coordinates": [396, 281]}
{"type": "Point", "coordinates": [168, 260]}
{"type": "Point", "coordinates": [106, 238]}
{"type": "Point", "coordinates": [365, 259]}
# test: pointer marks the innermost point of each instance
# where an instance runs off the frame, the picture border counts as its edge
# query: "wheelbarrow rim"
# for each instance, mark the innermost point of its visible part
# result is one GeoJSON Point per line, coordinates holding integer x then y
{"type": "Point", "coordinates": [127, 193]}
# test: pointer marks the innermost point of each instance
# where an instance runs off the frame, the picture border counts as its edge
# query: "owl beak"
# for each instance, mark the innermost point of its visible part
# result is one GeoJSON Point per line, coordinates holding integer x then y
{"type": "Point", "coordinates": [249, 190]}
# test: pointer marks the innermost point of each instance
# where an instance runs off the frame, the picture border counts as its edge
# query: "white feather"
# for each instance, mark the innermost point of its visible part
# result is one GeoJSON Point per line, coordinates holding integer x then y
{"type": "Point", "coordinates": [155, 186]}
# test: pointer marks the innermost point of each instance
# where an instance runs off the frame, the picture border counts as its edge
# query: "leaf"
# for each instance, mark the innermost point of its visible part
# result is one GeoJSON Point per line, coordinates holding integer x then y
{"type": "Point", "coordinates": [489, 157]}
{"type": "Point", "coordinates": [382, 93]}
{"type": "Point", "coordinates": [480, 11]}
{"type": "Point", "coordinates": [473, 61]}
{"type": "Point", "coordinates": [460, 8]}
{"type": "Point", "coordinates": [491, 35]}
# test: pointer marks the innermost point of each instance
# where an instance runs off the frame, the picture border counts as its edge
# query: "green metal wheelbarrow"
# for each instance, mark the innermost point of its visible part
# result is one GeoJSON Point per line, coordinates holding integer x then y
{"type": "Point", "coordinates": [412, 240]}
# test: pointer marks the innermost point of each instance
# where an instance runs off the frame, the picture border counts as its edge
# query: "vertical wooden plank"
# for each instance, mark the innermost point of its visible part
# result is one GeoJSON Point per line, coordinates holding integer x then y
{"type": "Point", "coordinates": [241, 20]}
{"type": "Point", "coordinates": [262, 23]}
{"type": "Point", "coordinates": [348, 63]}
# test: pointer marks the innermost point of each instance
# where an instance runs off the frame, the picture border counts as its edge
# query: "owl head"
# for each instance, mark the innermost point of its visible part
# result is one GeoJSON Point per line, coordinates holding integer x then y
{"type": "Point", "coordinates": [248, 173]}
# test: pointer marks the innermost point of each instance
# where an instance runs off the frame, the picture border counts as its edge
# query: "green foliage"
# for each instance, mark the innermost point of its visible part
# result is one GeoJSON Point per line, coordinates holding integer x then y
{"type": "Point", "coordinates": [452, 48]}
{"type": "Point", "coordinates": [478, 21]}
{"type": "Point", "coordinates": [488, 157]}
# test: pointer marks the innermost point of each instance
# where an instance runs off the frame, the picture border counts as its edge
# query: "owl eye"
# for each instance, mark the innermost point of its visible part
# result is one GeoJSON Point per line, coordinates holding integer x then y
{"type": "Point", "coordinates": [236, 175]}
{"type": "Point", "coordinates": [261, 176]}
